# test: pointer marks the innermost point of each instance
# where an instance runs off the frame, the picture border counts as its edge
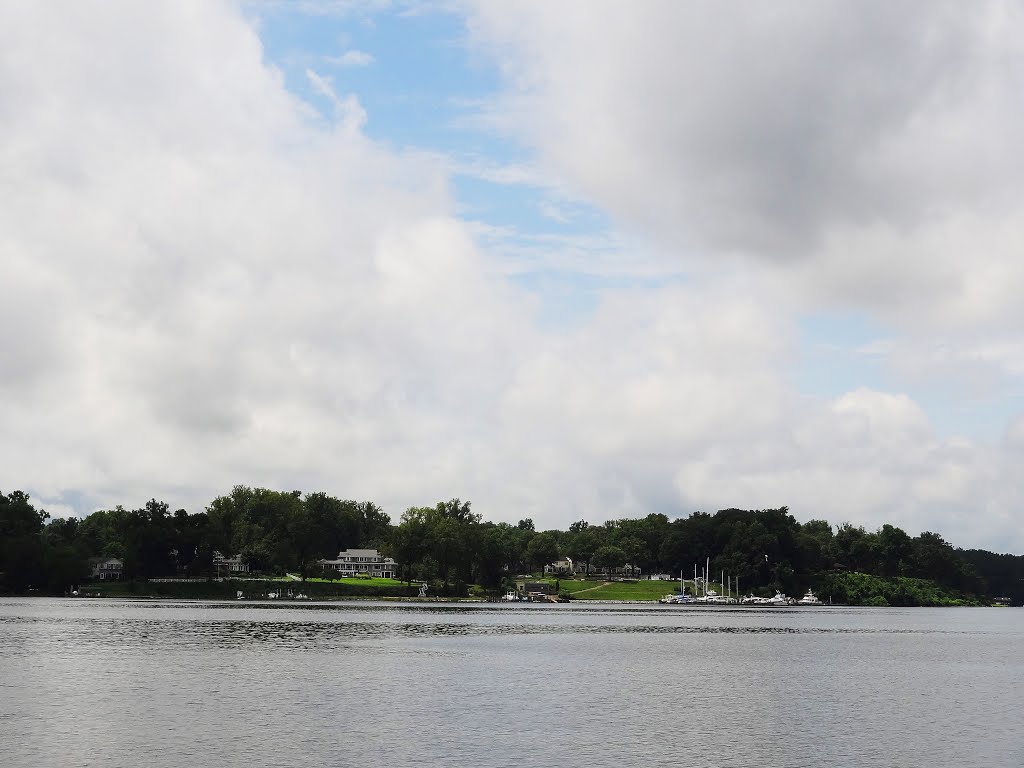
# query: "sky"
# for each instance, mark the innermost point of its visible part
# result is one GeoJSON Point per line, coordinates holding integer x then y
{"type": "Point", "coordinates": [576, 260]}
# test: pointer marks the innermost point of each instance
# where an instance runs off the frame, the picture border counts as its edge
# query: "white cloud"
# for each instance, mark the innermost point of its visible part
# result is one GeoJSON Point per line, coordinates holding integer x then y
{"type": "Point", "coordinates": [205, 285]}
{"type": "Point", "coordinates": [868, 151]}
{"type": "Point", "coordinates": [352, 58]}
{"type": "Point", "coordinates": [348, 111]}
{"type": "Point", "coordinates": [551, 211]}
{"type": "Point", "coordinates": [232, 294]}
{"type": "Point", "coordinates": [852, 157]}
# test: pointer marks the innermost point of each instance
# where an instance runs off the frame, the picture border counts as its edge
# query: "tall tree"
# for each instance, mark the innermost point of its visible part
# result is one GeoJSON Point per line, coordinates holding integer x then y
{"type": "Point", "coordinates": [542, 550]}
{"type": "Point", "coordinates": [608, 558]}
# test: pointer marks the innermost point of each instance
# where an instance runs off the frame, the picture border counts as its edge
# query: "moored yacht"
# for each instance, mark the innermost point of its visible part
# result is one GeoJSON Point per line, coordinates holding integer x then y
{"type": "Point", "coordinates": [809, 599]}
{"type": "Point", "coordinates": [677, 599]}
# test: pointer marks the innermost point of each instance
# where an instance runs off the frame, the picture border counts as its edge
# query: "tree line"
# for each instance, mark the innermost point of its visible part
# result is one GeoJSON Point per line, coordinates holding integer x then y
{"type": "Point", "coordinates": [450, 545]}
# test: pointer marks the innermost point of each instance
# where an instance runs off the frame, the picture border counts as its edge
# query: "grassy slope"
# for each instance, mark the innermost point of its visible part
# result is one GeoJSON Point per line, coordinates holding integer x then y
{"type": "Point", "coordinates": [596, 589]}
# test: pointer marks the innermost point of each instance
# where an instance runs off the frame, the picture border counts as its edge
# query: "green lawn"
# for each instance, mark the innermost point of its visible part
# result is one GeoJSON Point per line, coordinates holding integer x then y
{"type": "Point", "coordinates": [597, 589]}
{"type": "Point", "coordinates": [371, 582]}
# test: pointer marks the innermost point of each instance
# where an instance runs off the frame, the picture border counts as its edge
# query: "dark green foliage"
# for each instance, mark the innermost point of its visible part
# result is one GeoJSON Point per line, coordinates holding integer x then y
{"type": "Point", "coordinates": [608, 558]}
{"type": "Point", "coordinates": [450, 546]}
{"type": "Point", "coordinates": [22, 545]}
{"type": "Point", "coordinates": [542, 550]}
{"type": "Point", "coordinates": [1003, 574]}
{"type": "Point", "coordinates": [865, 589]}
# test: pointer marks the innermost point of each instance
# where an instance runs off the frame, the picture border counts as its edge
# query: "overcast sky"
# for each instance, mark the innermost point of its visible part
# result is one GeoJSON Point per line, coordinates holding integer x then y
{"type": "Point", "coordinates": [567, 260]}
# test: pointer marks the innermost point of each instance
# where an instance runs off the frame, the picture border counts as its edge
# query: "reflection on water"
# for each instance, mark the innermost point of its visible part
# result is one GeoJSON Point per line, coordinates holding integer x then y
{"type": "Point", "coordinates": [164, 684]}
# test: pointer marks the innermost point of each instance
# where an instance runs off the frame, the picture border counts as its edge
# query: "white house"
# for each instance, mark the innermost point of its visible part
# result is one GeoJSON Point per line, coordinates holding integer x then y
{"type": "Point", "coordinates": [353, 562]}
{"type": "Point", "coordinates": [229, 564]}
{"type": "Point", "coordinates": [559, 567]}
{"type": "Point", "coordinates": [107, 568]}
{"type": "Point", "coordinates": [625, 571]}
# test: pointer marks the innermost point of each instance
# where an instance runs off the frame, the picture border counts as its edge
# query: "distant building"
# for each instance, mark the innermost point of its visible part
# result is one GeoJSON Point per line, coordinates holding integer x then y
{"type": "Point", "coordinates": [353, 562]}
{"type": "Point", "coordinates": [535, 588]}
{"type": "Point", "coordinates": [626, 571]}
{"type": "Point", "coordinates": [229, 565]}
{"type": "Point", "coordinates": [107, 568]}
{"type": "Point", "coordinates": [559, 567]}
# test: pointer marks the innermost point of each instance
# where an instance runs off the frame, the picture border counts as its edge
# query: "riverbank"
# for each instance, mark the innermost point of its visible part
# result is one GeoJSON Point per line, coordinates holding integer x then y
{"type": "Point", "coordinates": [852, 589]}
{"type": "Point", "coordinates": [248, 589]}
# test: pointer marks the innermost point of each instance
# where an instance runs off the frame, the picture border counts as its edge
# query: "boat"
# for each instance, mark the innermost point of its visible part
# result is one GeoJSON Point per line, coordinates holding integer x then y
{"type": "Point", "coordinates": [677, 599]}
{"type": "Point", "coordinates": [510, 597]}
{"type": "Point", "coordinates": [809, 599]}
{"type": "Point", "coordinates": [711, 597]}
{"type": "Point", "coordinates": [779, 599]}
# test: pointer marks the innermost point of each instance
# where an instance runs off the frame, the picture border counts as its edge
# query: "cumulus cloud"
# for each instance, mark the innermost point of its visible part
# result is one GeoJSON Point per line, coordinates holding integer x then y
{"type": "Point", "coordinates": [869, 150]}
{"type": "Point", "coordinates": [852, 157]}
{"type": "Point", "coordinates": [352, 58]}
{"type": "Point", "coordinates": [206, 285]}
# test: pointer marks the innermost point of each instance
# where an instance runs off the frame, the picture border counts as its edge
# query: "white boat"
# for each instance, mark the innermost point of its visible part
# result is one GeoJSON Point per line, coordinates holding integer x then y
{"type": "Point", "coordinates": [809, 599]}
{"type": "Point", "coordinates": [677, 599]}
{"type": "Point", "coordinates": [779, 599]}
{"type": "Point", "coordinates": [510, 597]}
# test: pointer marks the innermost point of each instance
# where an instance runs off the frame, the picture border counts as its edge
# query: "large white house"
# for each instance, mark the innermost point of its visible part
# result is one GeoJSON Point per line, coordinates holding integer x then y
{"type": "Point", "coordinates": [229, 565]}
{"type": "Point", "coordinates": [353, 562]}
{"type": "Point", "coordinates": [107, 568]}
{"type": "Point", "coordinates": [561, 566]}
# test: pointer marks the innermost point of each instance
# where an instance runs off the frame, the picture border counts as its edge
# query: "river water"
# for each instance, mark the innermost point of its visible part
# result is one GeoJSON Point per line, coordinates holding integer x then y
{"type": "Point", "coordinates": [134, 683]}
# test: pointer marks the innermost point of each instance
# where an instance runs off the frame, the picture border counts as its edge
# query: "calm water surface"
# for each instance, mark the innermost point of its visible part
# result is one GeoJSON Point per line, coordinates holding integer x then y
{"type": "Point", "coordinates": [111, 683]}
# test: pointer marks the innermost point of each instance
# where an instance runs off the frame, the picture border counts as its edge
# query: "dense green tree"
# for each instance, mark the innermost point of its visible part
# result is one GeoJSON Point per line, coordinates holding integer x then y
{"type": "Point", "coordinates": [22, 553]}
{"type": "Point", "coordinates": [446, 545]}
{"type": "Point", "coordinates": [582, 545]}
{"type": "Point", "coordinates": [284, 530]}
{"type": "Point", "coordinates": [493, 554]}
{"type": "Point", "coordinates": [18, 517]}
{"type": "Point", "coordinates": [895, 549]}
{"type": "Point", "coordinates": [375, 525]}
{"type": "Point", "coordinates": [608, 558]}
{"type": "Point", "coordinates": [409, 540]}
{"type": "Point", "coordinates": [855, 549]}
{"type": "Point", "coordinates": [542, 550]}
{"type": "Point", "coordinates": [1002, 575]}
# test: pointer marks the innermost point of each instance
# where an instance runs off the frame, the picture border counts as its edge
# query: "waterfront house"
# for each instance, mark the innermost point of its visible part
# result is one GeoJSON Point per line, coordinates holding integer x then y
{"type": "Point", "coordinates": [535, 588]}
{"type": "Point", "coordinates": [626, 571]}
{"type": "Point", "coordinates": [229, 565]}
{"type": "Point", "coordinates": [366, 562]}
{"type": "Point", "coordinates": [559, 567]}
{"type": "Point", "coordinates": [107, 568]}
